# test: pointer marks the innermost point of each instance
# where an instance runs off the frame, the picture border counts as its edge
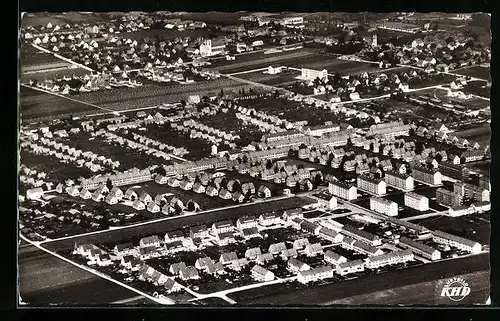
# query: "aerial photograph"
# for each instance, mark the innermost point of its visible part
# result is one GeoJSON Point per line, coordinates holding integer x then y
{"type": "Point", "coordinates": [254, 159]}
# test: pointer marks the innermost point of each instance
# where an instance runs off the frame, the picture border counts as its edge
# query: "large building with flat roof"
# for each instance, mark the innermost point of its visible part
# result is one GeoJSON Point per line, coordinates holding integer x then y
{"type": "Point", "coordinates": [383, 206]}
{"type": "Point", "coordinates": [416, 201]}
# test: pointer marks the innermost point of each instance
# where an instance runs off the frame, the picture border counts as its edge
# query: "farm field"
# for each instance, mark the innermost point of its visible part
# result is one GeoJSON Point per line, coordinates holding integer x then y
{"type": "Point", "coordinates": [282, 79]}
{"type": "Point", "coordinates": [259, 60]}
{"type": "Point", "coordinates": [32, 58]}
{"type": "Point", "coordinates": [36, 104]}
{"type": "Point", "coordinates": [481, 134]}
{"type": "Point", "coordinates": [421, 294]}
{"type": "Point", "coordinates": [43, 18]}
{"type": "Point", "coordinates": [159, 227]}
{"type": "Point", "coordinates": [44, 279]}
{"type": "Point", "coordinates": [166, 34]}
{"type": "Point", "coordinates": [476, 71]}
{"type": "Point", "coordinates": [154, 95]}
{"type": "Point", "coordinates": [478, 88]}
{"type": "Point", "coordinates": [54, 74]}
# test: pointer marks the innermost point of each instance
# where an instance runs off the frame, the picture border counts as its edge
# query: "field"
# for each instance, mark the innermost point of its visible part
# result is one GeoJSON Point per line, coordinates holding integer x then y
{"type": "Point", "coordinates": [302, 58]}
{"type": "Point", "coordinates": [481, 134]}
{"type": "Point", "coordinates": [278, 80]}
{"type": "Point", "coordinates": [32, 58]}
{"type": "Point", "coordinates": [53, 74]}
{"type": "Point", "coordinates": [35, 104]}
{"type": "Point", "coordinates": [45, 279]}
{"type": "Point", "coordinates": [478, 88]}
{"type": "Point", "coordinates": [170, 224]}
{"type": "Point", "coordinates": [476, 71]}
{"type": "Point", "coordinates": [166, 34]}
{"type": "Point", "coordinates": [154, 95]}
{"type": "Point", "coordinates": [421, 294]}
{"type": "Point", "coordinates": [475, 227]}
{"type": "Point", "coordinates": [290, 293]}
{"type": "Point", "coordinates": [43, 18]}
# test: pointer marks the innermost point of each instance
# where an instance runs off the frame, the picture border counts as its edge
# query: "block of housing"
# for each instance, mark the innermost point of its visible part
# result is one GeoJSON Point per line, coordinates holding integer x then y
{"type": "Point", "coordinates": [372, 185]}
{"type": "Point", "coordinates": [343, 190]}
{"type": "Point", "coordinates": [421, 249]}
{"type": "Point", "coordinates": [478, 193]}
{"type": "Point", "coordinates": [365, 248]}
{"type": "Point", "coordinates": [334, 258]}
{"type": "Point", "coordinates": [395, 257]}
{"type": "Point", "coordinates": [330, 234]}
{"type": "Point", "coordinates": [416, 201]}
{"type": "Point", "coordinates": [315, 274]}
{"type": "Point", "coordinates": [448, 198]}
{"type": "Point", "coordinates": [456, 241]}
{"type": "Point", "coordinates": [400, 181]}
{"type": "Point", "coordinates": [383, 206]}
{"type": "Point", "coordinates": [456, 171]}
{"type": "Point", "coordinates": [361, 235]}
{"type": "Point", "coordinates": [426, 175]}
{"type": "Point", "coordinates": [349, 267]}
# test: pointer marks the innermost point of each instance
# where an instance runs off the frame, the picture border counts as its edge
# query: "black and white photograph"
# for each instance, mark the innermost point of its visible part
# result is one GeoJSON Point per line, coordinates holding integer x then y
{"type": "Point", "coordinates": [202, 159]}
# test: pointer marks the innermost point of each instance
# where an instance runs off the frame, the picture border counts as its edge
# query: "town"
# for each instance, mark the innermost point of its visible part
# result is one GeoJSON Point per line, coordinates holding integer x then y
{"type": "Point", "coordinates": [240, 158]}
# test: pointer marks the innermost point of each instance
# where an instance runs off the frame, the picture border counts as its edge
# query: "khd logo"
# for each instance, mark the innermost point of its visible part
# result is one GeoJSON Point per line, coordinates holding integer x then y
{"type": "Point", "coordinates": [455, 289]}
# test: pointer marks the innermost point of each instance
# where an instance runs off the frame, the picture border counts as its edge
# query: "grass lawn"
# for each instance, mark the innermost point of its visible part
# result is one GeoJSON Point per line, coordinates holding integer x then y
{"type": "Point", "coordinates": [476, 71]}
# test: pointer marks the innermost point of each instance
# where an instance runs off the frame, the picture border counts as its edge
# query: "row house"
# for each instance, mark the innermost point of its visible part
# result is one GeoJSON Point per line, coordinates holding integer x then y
{"type": "Point", "coordinates": [420, 248]}
{"type": "Point", "coordinates": [249, 233]}
{"type": "Point", "coordinates": [456, 241]}
{"type": "Point", "coordinates": [269, 219]}
{"type": "Point", "coordinates": [395, 257]}
{"type": "Point", "coordinates": [330, 235]}
{"type": "Point", "coordinates": [315, 274]}
{"type": "Point", "coordinates": [261, 274]}
{"type": "Point", "coordinates": [361, 235]}
{"type": "Point", "coordinates": [222, 227]}
{"type": "Point", "coordinates": [246, 222]}
{"type": "Point", "coordinates": [349, 267]}
{"type": "Point", "coordinates": [297, 266]}
{"type": "Point", "coordinates": [333, 258]}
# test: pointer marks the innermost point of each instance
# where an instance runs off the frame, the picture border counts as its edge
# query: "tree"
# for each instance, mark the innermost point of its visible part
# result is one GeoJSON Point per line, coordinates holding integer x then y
{"type": "Point", "coordinates": [109, 184]}
{"type": "Point", "coordinates": [183, 103]}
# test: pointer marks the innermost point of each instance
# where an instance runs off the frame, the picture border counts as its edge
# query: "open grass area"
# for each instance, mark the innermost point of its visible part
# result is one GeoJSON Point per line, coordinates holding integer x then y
{"type": "Point", "coordinates": [32, 58]}
{"type": "Point", "coordinates": [478, 88]}
{"type": "Point", "coordinates": [36, 104]}
{"type": "Point", "coordinates": [475, 226]}
{"type": "Point", "coordinates": [476, 71]}
{"type": "Point", "coordinates": [166, 34]}
{"type": "Point", "coordinates": [281, 79]}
